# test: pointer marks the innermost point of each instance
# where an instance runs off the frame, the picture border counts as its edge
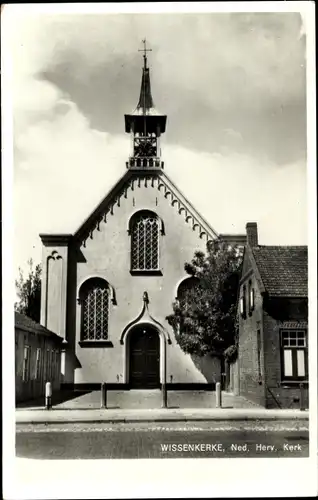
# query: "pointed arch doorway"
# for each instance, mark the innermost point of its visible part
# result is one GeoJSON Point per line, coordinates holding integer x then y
{"type": "Point", "coordinates": [144, 357]}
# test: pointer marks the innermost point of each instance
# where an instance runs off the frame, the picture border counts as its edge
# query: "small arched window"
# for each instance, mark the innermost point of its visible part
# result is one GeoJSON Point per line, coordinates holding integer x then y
{"type": "Point", "coordinates": [186, 289]}
{"type": "Point", "coordinates": [94, 299]}
{"type": "Point", "coordinates": [144, 228]}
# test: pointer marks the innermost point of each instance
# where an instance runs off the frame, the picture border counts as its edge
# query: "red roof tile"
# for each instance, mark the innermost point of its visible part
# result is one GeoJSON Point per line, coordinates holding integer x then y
{"type": "Point", "coordinates": [283, 269]}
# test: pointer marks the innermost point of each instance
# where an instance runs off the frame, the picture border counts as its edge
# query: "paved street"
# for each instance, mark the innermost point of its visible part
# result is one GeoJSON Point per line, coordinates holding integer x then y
{"type": "Point", "coordinates": [170, 440]}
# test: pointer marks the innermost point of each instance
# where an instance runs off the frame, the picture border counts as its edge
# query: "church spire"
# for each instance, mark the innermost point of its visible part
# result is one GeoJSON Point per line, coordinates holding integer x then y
{"type": "Point", "coordinates": [145, 100]}
{"type": "Point", "coordinates": [145, 124]}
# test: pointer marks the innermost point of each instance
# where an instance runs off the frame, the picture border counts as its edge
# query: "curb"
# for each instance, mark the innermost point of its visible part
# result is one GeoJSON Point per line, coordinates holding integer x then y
{"type": "Point", "coordinates": [114, 420]}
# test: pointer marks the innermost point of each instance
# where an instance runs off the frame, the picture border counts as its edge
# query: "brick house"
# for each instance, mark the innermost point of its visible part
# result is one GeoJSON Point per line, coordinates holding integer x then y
{"type": "Point", "coordinates": [37, 358]}
{"type": "Point", "coordinates": [273, 313]}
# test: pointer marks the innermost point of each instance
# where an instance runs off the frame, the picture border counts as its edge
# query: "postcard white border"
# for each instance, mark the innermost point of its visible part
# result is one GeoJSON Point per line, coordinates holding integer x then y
{"type": "Point", "coordinates": [152, 478]}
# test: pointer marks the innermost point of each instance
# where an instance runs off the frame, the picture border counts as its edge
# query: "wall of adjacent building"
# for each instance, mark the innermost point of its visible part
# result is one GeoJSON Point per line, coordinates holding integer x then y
{"type": "Point", "coordinates": [279, 394]}
{"type": "Point", "coordinates": [271, 392]}
{"type": "Point", "coordinates": [250, 384]}
{"type": "Point", "coordinates": [34, 387]}
{"type": "Point", "coordinates": [234, 378]}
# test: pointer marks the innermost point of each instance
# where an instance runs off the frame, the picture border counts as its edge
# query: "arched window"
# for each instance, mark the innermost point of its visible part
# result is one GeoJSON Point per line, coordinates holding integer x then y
{"type": "Point", "coordinates": [94, 300]}
{"type": "Point", "coordinates": [144, 228]}
{"type": "Point", "coordinates": [186, 288]}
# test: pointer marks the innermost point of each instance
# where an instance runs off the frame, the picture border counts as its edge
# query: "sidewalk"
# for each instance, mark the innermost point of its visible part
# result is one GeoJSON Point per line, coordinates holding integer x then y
{"type": "Point", "coordinates": [146, 406]}
{"type": "Point", "coordinates": [140, 399]}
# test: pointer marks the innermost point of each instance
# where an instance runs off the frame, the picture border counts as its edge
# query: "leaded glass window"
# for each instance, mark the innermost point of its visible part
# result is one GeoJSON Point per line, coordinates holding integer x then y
{"type": "Point", "coordinates": [186, 289]}
{"type": "Point", "coordinates": [145, 242]}
{"type": "Point", "coordinates": [95, 310]}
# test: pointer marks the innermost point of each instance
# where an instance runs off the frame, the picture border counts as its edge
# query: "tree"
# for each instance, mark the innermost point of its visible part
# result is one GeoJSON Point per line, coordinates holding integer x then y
{"type": "Point", "coordinates": [29, 292]}
{"type": "Point", "coordinates": [205, 320]}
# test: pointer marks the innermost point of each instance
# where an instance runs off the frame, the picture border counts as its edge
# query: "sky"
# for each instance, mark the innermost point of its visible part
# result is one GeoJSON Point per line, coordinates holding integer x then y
{"type": "Point", "coordinates": [233, 86]}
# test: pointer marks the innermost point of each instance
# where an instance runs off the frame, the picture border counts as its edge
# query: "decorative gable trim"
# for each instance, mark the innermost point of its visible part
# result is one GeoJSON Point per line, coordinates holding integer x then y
{"type": "Point", "coordinates": [184, 206]}
{"type": "Point", "coordinates": [129, 182]}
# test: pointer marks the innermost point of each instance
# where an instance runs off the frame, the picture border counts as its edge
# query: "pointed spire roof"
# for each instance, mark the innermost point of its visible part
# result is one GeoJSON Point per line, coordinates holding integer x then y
{"type": "Point", "coordinates": [145, 105]}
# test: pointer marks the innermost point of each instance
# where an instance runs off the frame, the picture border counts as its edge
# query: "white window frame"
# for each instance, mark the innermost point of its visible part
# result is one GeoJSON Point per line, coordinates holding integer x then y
{"type": "Point", "coordinates": [48, 366]}
{"type": "Point", "coordinates": [52, 364]}
{"type": "Point", "coordinates": [295, 341]}
{"type": "Point", "coordinates": [26, 363]}
{"type": "Point", "coordinates": [38, 363]}
{"type": "Point", "coordinates": [243, 302]}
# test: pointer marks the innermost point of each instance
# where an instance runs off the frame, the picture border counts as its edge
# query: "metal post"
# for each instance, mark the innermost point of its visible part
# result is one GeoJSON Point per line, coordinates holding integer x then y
{"type": "Point", "coordinates": [302, 397]}
{"type": "Point", "coordinates": [48, 395]}
{"type": "Point", "coordinates": [103, 403]}
{"type": "Point", "coordinates": [218, 395]}
{"type": "Point", "coordinates": [164, 375]}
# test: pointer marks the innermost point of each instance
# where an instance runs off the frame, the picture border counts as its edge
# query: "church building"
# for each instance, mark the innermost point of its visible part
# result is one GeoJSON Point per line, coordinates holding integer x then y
{"type": "Point", "coordinates": [108, 287]}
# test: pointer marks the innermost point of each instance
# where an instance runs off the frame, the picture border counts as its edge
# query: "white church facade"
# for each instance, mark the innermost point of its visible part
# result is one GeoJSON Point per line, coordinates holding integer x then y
{"type": "Point", "coordinates": [108, 288]}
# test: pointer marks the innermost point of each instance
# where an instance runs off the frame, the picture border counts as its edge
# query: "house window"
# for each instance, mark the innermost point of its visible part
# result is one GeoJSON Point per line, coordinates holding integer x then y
{"type": "Point", "coordinates": [52, 364]}
{"type": "Point", "coordinates": [94, 298]}
{"type": "Point", "coordinates": [38, 364]}
{"type": "Point", "coordinates": [144, 230]}
{"type": "Point", "coordinates": [294, 355]}
{"type": "Point", "coordinates": [48, 365]}
{"type": "Point", "coordinates": [243, 302]}
{"type": "Point", "coordinates": [26, 364]}
{"type": "Point", "coordinates": [251, 298]}
{"type": "Point", "coordinates": [57, 361]}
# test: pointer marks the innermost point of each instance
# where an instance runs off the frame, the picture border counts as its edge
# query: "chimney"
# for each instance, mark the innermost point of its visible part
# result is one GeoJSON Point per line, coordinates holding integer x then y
{"type": "Point", "coordinates": [251, 234]}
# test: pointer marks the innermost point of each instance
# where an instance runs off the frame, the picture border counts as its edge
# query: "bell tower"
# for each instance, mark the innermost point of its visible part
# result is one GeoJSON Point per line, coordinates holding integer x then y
{"type": "Point", "coordinates": [145, 125]}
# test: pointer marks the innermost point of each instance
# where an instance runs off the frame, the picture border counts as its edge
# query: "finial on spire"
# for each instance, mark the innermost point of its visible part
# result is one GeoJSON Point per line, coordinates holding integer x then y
{"type": "Point", "coordinates": [145, 50]}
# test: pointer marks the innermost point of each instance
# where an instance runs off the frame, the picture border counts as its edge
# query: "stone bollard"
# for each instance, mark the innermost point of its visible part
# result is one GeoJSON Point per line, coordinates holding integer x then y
{"type": "Point", "coordinates": [218, 393]}
{"type": "Point", "coordinates": [48, 395]}
{"type": "Point", "coordinates": [302, 397]}
{"type": "Point", "coordinates": [103, 403]}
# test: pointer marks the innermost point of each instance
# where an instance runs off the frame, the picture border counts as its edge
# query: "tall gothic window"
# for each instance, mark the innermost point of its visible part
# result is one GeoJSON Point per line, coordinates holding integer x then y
{"type": "Point", "coordinates": [94, 300]}
{"type": "Point", "coordinates": [144, 229]}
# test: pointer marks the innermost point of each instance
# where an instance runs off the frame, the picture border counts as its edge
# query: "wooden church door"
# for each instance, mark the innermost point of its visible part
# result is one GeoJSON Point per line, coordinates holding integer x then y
{"type": "Point", "coordinates": [144, 358]}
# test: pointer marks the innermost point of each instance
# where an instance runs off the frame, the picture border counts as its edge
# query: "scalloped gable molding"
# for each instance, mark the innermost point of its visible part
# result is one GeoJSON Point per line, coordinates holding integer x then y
{"type": "Point", "coordinates": [129, 183]}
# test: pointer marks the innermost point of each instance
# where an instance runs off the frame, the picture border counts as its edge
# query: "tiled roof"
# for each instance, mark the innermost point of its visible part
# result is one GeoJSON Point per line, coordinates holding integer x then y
{"type": "Point", "coordinates": [22, 322]}
{"type": "Point", "coordinates": [283, 269]}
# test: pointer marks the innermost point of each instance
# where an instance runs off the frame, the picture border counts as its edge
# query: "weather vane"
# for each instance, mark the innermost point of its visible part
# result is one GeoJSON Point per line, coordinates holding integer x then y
{"type": "Point", "coordinates": [145, 50]}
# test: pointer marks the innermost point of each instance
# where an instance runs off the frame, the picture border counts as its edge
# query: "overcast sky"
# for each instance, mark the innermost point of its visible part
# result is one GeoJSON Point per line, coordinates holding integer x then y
{"type": "Point", "coordinates": [232, 85]}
